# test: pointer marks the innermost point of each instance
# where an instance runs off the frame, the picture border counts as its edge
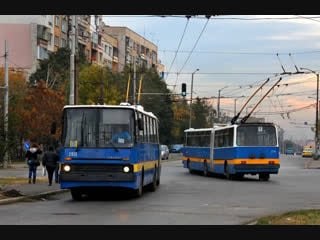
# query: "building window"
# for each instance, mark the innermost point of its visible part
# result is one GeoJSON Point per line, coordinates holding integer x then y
{"type": "Point", "coordinates": [63, 43]}
{"type": "Point", "coordinates": [56, 41]}
{"type": "Point", "coordinates": [42, 53]}
{"type": "Point", "coordinates": [64, 26]}
{"type": "Point", "coordinates": [49, 38]}
{"type": "Point", "coordinates": [56, 21]}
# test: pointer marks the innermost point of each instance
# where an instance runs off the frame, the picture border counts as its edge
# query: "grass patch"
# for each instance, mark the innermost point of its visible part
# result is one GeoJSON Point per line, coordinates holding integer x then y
{"type": "Point", "coordinates": [18, 180]}
{"type": "Point", "coordinates": [301, 217]}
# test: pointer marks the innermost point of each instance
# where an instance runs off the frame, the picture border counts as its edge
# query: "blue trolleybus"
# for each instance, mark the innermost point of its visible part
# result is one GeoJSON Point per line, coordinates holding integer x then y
{"type": "Point", "coordinates": [233, 150]}
{"type": "Point", "coordinates": [90, 159]}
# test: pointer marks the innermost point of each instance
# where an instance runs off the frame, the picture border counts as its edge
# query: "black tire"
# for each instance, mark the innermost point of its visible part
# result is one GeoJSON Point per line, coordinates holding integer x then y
{"type": "Point", "coordinates": [188, 166]}
{"type": "Point", "coordinates": [239, 176]}
{"type": "Point", "coordinates": [205, 169]}
{"type": "Point", "coordinates": [227, 173]}
{"type": "Point", "coordinates": [76, 194]}
{"type": "Point", "coordinates": [264, 177]}
{"type": "Point", "coordinates": [138, 192]}
{"type": "Point", "coordinates": [153, 186]}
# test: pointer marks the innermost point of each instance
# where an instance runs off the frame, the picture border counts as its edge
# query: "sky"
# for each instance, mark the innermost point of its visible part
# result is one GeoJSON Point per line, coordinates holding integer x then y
{"type": "Point", "coordinates": [237, 56]}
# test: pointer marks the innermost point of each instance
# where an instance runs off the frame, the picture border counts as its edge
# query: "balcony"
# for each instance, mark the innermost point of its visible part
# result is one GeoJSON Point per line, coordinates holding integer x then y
{"type": "Point", "coordinates": [115, 59]}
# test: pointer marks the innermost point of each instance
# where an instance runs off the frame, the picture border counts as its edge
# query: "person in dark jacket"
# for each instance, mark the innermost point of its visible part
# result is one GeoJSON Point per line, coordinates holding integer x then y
{"type": "Point", "coordinates": [50, 161]}
{"type": "Point", "coordinates": [56, 171]}
{"type": "Point", "coordinates": [33, 161]}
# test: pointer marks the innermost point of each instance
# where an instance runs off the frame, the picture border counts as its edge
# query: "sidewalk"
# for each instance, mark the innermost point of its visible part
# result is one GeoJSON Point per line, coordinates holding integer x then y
{"type": "Point", "coordinates": [26, 190]}
{"type": "Point", "coordinates": [312, 164]}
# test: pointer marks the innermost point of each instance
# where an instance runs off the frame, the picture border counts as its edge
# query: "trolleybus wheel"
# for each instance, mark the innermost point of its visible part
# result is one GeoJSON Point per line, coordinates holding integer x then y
{"type": "Point", "coordinates": [205, 169]}
{"type": "Point", "coordinates": [138, 192]}
{"type": "Point", "coordinates": [264, 176]}
{"type": "Point", "coordinates": [76, 194]}
{"type": "Point", "coordinates": [154, 184]}
{"type": "Point", "coordinates": [188, 166]}
{"type": "Point", "coordinates": [227, 173]}
{"type": "Point", "coordinates": [239, 176]}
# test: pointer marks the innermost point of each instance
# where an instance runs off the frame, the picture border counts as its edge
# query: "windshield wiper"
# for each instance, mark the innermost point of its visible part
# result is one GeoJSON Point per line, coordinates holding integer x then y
{"type": "Point", "coordinates": [113, 145]}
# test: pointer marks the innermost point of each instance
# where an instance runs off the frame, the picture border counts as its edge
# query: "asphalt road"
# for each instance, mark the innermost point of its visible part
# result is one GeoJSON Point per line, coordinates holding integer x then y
{"type": "Point", "coordinates": [181, 199]}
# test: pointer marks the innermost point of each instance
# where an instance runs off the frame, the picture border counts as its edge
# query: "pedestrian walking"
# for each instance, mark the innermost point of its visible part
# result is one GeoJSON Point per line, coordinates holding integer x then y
{"type": "Point", "coordinates": [50, 161]}
{"type": "Point", "coordinates": [56, 171]}
{"type": "Point", "coordinates": [33, 161]}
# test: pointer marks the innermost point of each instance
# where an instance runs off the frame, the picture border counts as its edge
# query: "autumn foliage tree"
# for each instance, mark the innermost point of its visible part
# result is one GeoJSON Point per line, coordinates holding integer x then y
{"type": "Point", "coordinates": [42, 107]}
{"type": "Point", "coordinates": [11, 140]}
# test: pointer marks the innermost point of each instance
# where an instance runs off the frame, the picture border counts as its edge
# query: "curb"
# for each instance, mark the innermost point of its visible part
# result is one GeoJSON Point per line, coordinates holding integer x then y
{"type": "Point", "coordinates": [21, 198]}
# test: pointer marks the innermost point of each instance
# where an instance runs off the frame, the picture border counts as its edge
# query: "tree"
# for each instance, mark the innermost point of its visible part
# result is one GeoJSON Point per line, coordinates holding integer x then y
{"type": "Point", "coordinates": [181, 120]}
{"type": "Point", "coordinates": [156, 98]}
{"type": "Point", "coordinates": [42, 107]}
{"type": "Point", "coordinates": [201, 114]}
{"type": "Point", "coordinates": [54, 70]}
{"type": "Point", "coordinates": [98, 84]}
{"type": "Point", "coordinates": [17, 91]}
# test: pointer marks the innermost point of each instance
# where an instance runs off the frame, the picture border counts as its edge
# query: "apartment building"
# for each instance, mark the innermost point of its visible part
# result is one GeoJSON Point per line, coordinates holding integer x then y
{"type": "Point", "coordinates": [132, 47]}
{"type": "Point", "coordinates": [104, 48]}
{"type": "Point", "coordinates": [110, 52]}
{"type": "Point", "coordinates": [31, 38]}
{"type": "Point", "coordinates": [84, 36]}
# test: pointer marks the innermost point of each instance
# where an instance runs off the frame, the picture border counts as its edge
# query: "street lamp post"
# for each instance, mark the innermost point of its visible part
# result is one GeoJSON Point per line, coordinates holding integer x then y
{"type": "Point", "coordinates": [316, 138]}
{"type": "Point", "coordinates": [190, 107]}
{"type": "Point", "coordinates": [218, 102]}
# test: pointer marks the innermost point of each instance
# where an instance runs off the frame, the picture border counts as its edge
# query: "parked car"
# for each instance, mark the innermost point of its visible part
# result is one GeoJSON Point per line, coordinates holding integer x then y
{"type": "Point", "coordinates": [307, 152]}
{"type": "Point", "coordinates": [176, 148]}
{"type": "Point", "coordinates": [164, 152]}
{"type": "Point", "coordinates": [289, 151]}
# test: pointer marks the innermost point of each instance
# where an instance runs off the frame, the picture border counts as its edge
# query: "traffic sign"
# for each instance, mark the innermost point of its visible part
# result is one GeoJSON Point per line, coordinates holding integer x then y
{"type": "Point", "coordinates": [26, 145]}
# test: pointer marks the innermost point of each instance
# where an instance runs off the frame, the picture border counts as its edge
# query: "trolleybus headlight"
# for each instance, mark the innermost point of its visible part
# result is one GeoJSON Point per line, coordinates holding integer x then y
{"type": "Point", "coordinates": [66, 168]}
{"type": "Point", "coordinates": [126, 169]}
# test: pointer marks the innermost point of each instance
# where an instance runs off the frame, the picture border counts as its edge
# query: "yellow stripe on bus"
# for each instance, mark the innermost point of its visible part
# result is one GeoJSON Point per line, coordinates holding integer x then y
{"type": "Point", "coordinates": [236, 161]}
{"type": "Point", "coordinates": [146, 165]}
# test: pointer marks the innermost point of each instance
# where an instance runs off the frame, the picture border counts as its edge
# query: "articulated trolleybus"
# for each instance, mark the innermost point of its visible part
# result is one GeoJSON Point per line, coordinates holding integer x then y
{"type": "Point", "coordinates": [90, 160]}
{"type": "Point", "coordinates": [233, 150]}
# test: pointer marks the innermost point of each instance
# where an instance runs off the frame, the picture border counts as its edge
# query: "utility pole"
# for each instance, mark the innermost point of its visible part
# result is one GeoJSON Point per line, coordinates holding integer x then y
{"type": "Point", "coordinates": [76, 60]}
{"type": "Point", "coordinates": [101, 98]}
{"type": "Point", "coordinates": [218, 102]}
{"type": "Point", "coordinates": [316, 147]}
{"type": "Point", "coordinates": [134, 80]}
{"type": "Point", "coordinates": [72, 58]}
{"type": "Point", "coordinates": [6, 103]}
{"type": "Point", "coordinates": [190, 107]}
{"type": "Point", "coordinates": [218, 105]}
{"type": "Point", "coordinates": [316, 137]}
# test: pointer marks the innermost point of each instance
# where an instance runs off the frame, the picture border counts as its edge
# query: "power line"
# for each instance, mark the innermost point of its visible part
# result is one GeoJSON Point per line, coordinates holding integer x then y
{"type": "Point", "coordinates": [239, 53]}
{"type": "Point", "coordinates": [204, 27]}
{"type": "Point", "coordinates": [221, 17]}
{"type": "Point", "coordinates": [184, 31]}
